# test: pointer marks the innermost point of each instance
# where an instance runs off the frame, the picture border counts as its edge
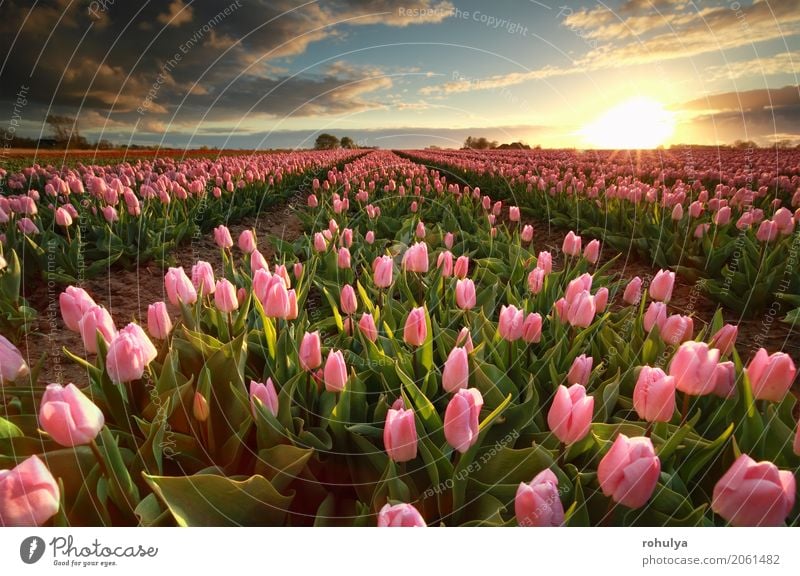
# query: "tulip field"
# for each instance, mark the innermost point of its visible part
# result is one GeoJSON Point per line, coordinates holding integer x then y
{"type": "Point", "coordinates": [452, 338]}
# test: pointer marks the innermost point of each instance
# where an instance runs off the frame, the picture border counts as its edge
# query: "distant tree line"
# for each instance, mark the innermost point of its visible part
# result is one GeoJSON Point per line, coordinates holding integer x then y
{"type": "Point", "coordinates": [483, 143]}
{"type": "Point", "coordinates": [330, 142]}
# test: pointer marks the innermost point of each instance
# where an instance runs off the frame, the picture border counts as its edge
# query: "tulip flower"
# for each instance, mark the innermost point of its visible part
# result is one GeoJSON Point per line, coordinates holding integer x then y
{"type": "Point", "coordinates": [247, 241]}
{"type": "Point", "coordinates": [68, 416]}
{"type": "Point", "coordinates": [592, 251]}
{"type": "Point", "coordinates": [771, 375]}
{"type": "Point", "coordinates": [654, 395]}
{"type": "Point", "coordinates": [347, 300]}
{"type": "Point", "coordinates": [581, 370]}
{"type": "Point", "coordinates": [767, 231]}
{"type": "Point", "coordinates": [225, 296]}
{"type": "Point", "coordinates": [725, 339]}
{"type": "Point", "coordinates": [320, 244]}
{"type": "Point", "coordinates": [420, 231]}
{"type": "Point", "coordinates": [448, 240]}
{"type": "Point", "coordinates": [677, 212]}
{"type": "Point", "coordinates": [367, 326]}
{"type": "Point", "coordinates": [461, 267]}
{"type": "Point", "coordinates": [581, 310]}
{"type": "Point", "coordinates": [465, 294]}
{"type": "Point", "coordinates": [343, 258]}
{"type": "Point", "coordinates": [461, 419]}
{"type": "Point", "coordinates": [415, 258]}
{"type": "Point", "coordinates": [545, 261]}
{"type": "Point", "coordinates": [203, 278]}
{"type": "Point", "coordinates": [382, 271]}
{"type": "Point", "coordinates": [200, 408]}
{"type": "Point", "coordinates": [582, 283]}
{"type": "Point", "coordinates": [538, 503]}
{"type": "Point", "coordinates": [465, 339]}
{"type": "Point", "coordinates": [12, 365]}
{"type": "Point", "coordinates": [335, 372]}
{"type": "Point", "coordinates": [159, 324]}
{"type": "Point", "coordinates": [369, 237]}
{"type": "Point", "coordinates": [527, 233]}
{"type": "Point", "coordinates": [96, 319]}
{"type": "Point", "coordinates": [570, 415]}
{"type": "Point", "coordinates": [455, 375]}
{"type": "Point", "coordinates": [513, 213]}
{"type": "Point", "coordinates": [629, 471]}
{"type": "Point", "coordinates": [179, 287]}
{"type": "Point", "coordinates": [572, 244]}
{"type": "Point", "coordinates": [30, 494]}
{"type": "Point", "coordinates": [258, 262]}
{"type": "Point", "coordinates": [63, 217]}
{"type": "Point", "coordinates": [266, 394]}
{"type": "Point", "coordinates": [511, 323]}
{"type": "Point", "coordinates": [310, 353]}
{"type": "Point", "coordinates": [74, 303]}
{"type": "Point", "coordinates": [277, 300]}
{"type": "Point", "coordinates": [633, 291]}
{"type": "Point", "coordinates": [655, 315]}
{"type": "Point", "coordinates": [415, 331]}
{"type": "Point", "coordinates": [536, 280]}
{"type": "Point", "coordinates": [400, 433]}
{"type": "Point", "coordinates": [445, 263]}
{"type": "Point", "coordinates": [222, 236]}
{"type": "Point", "coordinates": [400, 516]}
{"type": "Point", "coordinates": [532, 328]}
{"type": "Point", "coordinates": [754, 493]}
{"type": "Point", "coordinates": [128, 354]}
{"type": "Point", "coordinates": [601, 299]}
{"type": "Point", "coordinates": [661, 286]}
{"type": "Point", "coordinates": [725, 380]}
{"type": "Point", "coordinates": [676, 329]}
{"type": "Point", "coordinates": [693, 368]}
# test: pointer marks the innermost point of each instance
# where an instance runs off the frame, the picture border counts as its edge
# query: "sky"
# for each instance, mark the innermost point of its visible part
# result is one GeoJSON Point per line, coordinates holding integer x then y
{"type": "Point", "coordinates": [404, 74]}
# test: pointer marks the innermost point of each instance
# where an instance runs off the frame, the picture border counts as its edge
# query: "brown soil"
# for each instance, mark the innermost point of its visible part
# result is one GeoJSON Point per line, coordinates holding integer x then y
{"type": "Point", "coordinates": [127, 293]}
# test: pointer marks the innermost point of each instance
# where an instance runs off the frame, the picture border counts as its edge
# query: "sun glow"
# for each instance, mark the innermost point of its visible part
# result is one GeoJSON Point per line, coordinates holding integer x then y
{"type": "Point", "coordinates": [636, 123]}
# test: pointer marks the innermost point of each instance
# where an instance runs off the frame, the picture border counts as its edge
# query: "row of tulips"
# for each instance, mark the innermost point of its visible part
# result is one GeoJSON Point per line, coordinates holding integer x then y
{"type": "Point", "coordinates": [412, 360]}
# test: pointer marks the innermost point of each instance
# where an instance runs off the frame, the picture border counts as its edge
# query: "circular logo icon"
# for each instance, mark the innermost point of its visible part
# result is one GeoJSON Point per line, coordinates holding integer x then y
{"type": "Point", "coordinates": [32, 549]}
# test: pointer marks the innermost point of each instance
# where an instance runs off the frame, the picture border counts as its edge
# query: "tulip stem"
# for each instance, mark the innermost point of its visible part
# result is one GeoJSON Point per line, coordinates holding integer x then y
{"type": "Point", "coordinates": [649, 429]}
{"type": "Point", "coordinates": [99, 457]}
{"type": "Point", "coordinates": [230, 326]}
{"type": "Point", "coordinates": [414, 362]}
{"type": "Point", "coordinates": [562, 455]}
{"type": "Point", "coordinates": [685, 408]}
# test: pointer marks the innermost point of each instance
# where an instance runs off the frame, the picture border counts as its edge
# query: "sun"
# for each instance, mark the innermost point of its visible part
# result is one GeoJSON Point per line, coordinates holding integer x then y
{"type": "Point", "coordinates": [636, 123]}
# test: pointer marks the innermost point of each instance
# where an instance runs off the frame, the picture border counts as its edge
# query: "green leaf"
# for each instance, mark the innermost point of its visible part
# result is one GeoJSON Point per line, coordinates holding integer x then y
{"type": "Point", "coordinates": [9, 429]}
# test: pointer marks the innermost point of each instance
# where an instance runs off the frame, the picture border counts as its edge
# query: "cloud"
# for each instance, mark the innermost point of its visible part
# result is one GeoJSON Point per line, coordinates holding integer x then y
{"type": "Point", "coordinates": [767, 98]}
{"type": "Point", "coordinates": [783, 63]}
{"type": "Point", "coordinates": [179, 13]}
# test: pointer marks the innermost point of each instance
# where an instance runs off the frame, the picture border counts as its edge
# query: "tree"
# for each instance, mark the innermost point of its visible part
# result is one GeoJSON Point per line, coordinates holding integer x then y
{"type": "Point", "coordinates": [744, 144]}
{"type": "Point", "coordinates": [326, 142]}
{"type": "Point", "coordinates": [65, 131]}
{"type": "Point", "coordinates": [479, 143]}
{"type": "Point", "coordinates": [348, 142]}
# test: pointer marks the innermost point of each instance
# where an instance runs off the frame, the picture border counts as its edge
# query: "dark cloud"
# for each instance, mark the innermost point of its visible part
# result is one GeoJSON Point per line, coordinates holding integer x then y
{"type": "Point", "coordinates": [747, 100]}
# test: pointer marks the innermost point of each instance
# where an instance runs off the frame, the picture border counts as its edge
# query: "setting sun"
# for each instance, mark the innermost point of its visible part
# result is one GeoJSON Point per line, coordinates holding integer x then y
{"type": "Point", "coordinates": [636, 123]}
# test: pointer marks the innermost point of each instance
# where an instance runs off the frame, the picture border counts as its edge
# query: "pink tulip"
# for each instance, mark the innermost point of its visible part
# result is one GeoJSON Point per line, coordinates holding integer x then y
{"type": "Point", "coordinates": [347, 300]}
{"type": "Point", "coordinates": [461, 267]}
{"type": "Point", "coordinates": [222, 236]}
{"type": "Point", "coordinates": [97, 319]}
{"type": "Point", "coordinates": [677, 329]}
{"type": "Point", "coordinates": [12, 365]}
{"type": "Point", "coordinates": [661, 286]}
{"type": "Point", "coordinates": [497, 208]}
{"type": "Point", "coordinates": [654, 395]}
{"type": "Point", "coordinates": [179, 287]}
{"type": "Point", "coordinates": [767, 231]}
{"type": "Point", "coordinates": [771, 375]}
{"type": "Point", "coordinates": [465, 339]}
{"type": "Point", "coordinates": [266, 394]}
{"type": "Point", "coordinates": [592, 251]}
{"type": "Point", "coordinates": [225, 296]}
{"type": "Point", "coordinates": [513, 213]}
{"type": "Point", "coordinates": [570, 415]}
{"type": "Point", "coordinates": [400, 433]}
{"type": "Point", "coordinates": [68, 416]}
{"type": "Point", "coordinates": [465, 294]}
{"type": "Point", "coordinates": [560, 309]}
{"type": "Point", "coordinates": [415, 258]}
{"type": "Point", "coordinates": [461, 419]}
{"type": "Point", "coordinates": [581, 310]}
{"type": "Point", "coordinates": [382, 271]}
{"type": "Point", "coordinates": [572, 244]}
{"type": "Point", "coordinates": [532, 328]}
{"type": "Point", "coordinates": [754, 493]}
{"type": "Point", "coordinates": [26, 226]}
{"type": "Point", "coordinates": [655, 315]}
{"type": "Point", "coordinates": [258, 262]}
{"type": "Point", "coordinates": [582, 283]}
{"type": "Point", "coordinates": [347, 237]}
{"type": "Point", "coordinates": [420, 231]}
{"type": "Point", "coordinates": [292, 314]}
{"type": "Point", "coordinates": [545, 261]}
{"type": "Point", "coordinates": [74, 304]}
{"type": "Point", "coordinates": [629, 471]}
{"type": "Point", "coordinates": [277, 303]}
{"type": "Point", "coordinates": [725, 380]}
{"type": "Point", "coordinates": [445, 263]}
{"type": "Point", "coordinates": [536, 280]}
{"type": "Point", "coordinates": [63, 217]}
{"type": "Point", "coordinates": [527, 233]}
{"type": "Point", "coordinates": [601, 299]}
{"type": "Point", "coordinates": [725, 339]}
{"type": "Point", "coordinates": [159, 323]}
{"type": "Point", "coordinates": [693, 368]}
{"type": "Point", "coordinates": [455, 375]}
{"type": "Point", "coordinates": [539, 503]}
{"type": "Point", "coordinates": [448, 240]}
{"type": "Point", "coordinates": [310, 353]}
{"type": "Point", "coordinates": [320, 244]}
{"type": "Point", "coordinates": [110, 214]}
{"type": "Point", "coordinates": [369, 237]}
{"type": "Point", "coordinates": [343, 258]}
{"type": "Point", "coordinates": [400, 516]}
{"type": "Point", "coordinates": [511, 323]}
{"type": "Point", "coordinates": [677, 212]}
{"type": "Point", "coordinates": [581, 370]}
{"type": "Point", "coordinates": [367, 326]}
{"type": "Point", "coordinates": [247, 241]}
{"type": "Point", "coordinates": [695, 209]}
{"type": "Point", "coordinates": [784, 219]}
{"type": "Point", "coordinates": [633, 291]}
{"type": "Point", "coordinates": [415, 331]}
{"type": "Point", "coordinates": [203, 278]}
{"type": "Point", "coordinates": [30, 494]}
{"type": "Point", "coordinates": [335, 372]}
{"type": "Point", "coordinates": [297, 270]}
{"type": "Point", "coordinates": [312, 201]}
{"type": "Point", "coordinates": [200, 408]}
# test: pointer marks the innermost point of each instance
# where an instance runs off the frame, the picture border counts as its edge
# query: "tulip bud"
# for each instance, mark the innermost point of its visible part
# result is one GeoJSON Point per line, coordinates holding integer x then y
{"type": "Point", "coordinates": [676, 329]}
{"type": "Point", "coordinates": [655, 315]}
{"type": "Point", "coordinates": [222, 236]}
{"type": "Point", "coordinates": [461, 419]}
{"type": "Point", "coordinates": [200, 409]}
{"type": "Point", "coordinates": [771, 375]}
{"type": "Point", "coordinates": [527, 233]}
{"type": "Point", "coordinates": [448, 240]}
{"type": "Point", "coordinates": [400, 516]}
{"type": "Point", "coordinates": [629, 471]}
{"type": "Point", "coordinates": [633, 291]}
{"type": "Point", "coordinates": [382, 271]}
{"type": "Point", "coordinates": [572, 244]}
{"type": "Point", "coordinates": [725, 339]}
{"type": "Point", "coordinates": [570, 415]}
{"type": "Point", "coordinates": [581, 370]}
{"type": "Point", "coordinates": [465, 339]}
{"type": "Point", "coordinates": [30, 494]}
{"type": "Point", "coordinates": [455, 375]}
{"type": "Point", "coordinates": [532, 328]}
{"type": "Point", "coordinates": [465, 294]}
{"type": "Point", "coordinates": [693, 368]}
{"type": "Point", "coordinates": [179, 287]}
{"type": "Point", "coordinates": [654, 395]}
{"type": "Point", "coordinates": [511, 323]}
{"type": "Point", "coordinates": [266, 394]}
{"type": "Point", "coordinates": [415, 258]}
{"type": "Point", "coordinates": [335, 372]}
{"type": "Point", "coordinates": [97, 319]}
{"type": "Point", "coordinates": [445, 263]}
{"type": "Point", "coordinates": [536, 280]}
{"type": "Point", "coordinates": [159, 324]}
{"type": "Point", "coordinates": [68, 416]}
{"type": "Point", "coordinates": [247, 241]}
{"type": "Point", "coordinates": [63, 217]}
{"type": "Point", "coordinates": [74, 303]}
{"type": "Point", "coordinates": [400, 433]}
{"type": "Point", "coordinates": [538, 503]}
{"type": "Point", "coordinates": [513, 213]}
{"type": "Point", "coordinates": [343, 258]}
{"type": "Point", "coordinates": [461, 267]}
{"type": "Point", "coordinates": [12, 365]}
{"type": "Point", "coordinates": [415, 331]}
{"type": "Point", "coordinates": [661, 286]}
{"type": "Point", "coordinates": [725, 380]}
{"type": "Point", "coordinates": [225, 296]}
{"type": "Point", "coordinates": [592, 251]}
{"type": "Point", "coordinates": [310, 354]}
{"type": "Point", "coordinates": [369, 237]}
{"type": "Point", "coordinates": [545, 261]}
{"type": "Point", "coordinates": [347, 300]}
{"type": "Point", "coordinates": [367, 326]}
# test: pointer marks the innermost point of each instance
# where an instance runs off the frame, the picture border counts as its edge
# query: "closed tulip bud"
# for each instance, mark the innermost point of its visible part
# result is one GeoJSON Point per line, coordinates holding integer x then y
{"type": "Point", "coordinates": [560, 309]}
{"type": "Point", "coordinates": [601, 299]}
{"type": "Point", "coordinates": [486, 202]}
{"type": "Point", "coordinates": [527, 233]}
{"type": "Point", "coordinates": [629, 471]}
{"type": "Point", "coordinates": [310, 353]}
{"type": "Point", "coordinates": [464, 339]}
{"type": "Point", "coordinates": [545, 261]}
{"type": "Point", "coordinates": [771, 375]}
{"type": "Point", "coordinates": [725, 339]}
{"type": "Point", "coordinates": [754, 493]}
{"type": "Point", "coordinates": [455, 375]}
{"type": "Point", "coordinates": [539, 503]}
{"type": "Point", "coordinates": [369, 237]}
{"type": "Point", "coordinates": [159, 324]}
{"type": "Point", "coordinates": [282, 273]}
{"type": "Point", "coordinates": [415, 331]}
{"type": "Point", "coordinates": [367, 326]}
{"type": "Point", "coordinates": [510, 324]}
{"type": "Point", "coordinates": [655, 315]}
{"type": "Point", "coordinates": [203, 278]}
{"type": "Point", "coordinates": [722, 216]}
{"type": "Point", "coordinates": [200, 409]}
{"type": "Point", "coordinates": [222, 236]}
{"type": "Point", "coordinates": [266, 394]}
{"type": "Point", "coordinates": [461, 419]}
{"type": "Point", "coordinates": [400, 516]}
{"type": "Point", "coordinates": [179, 287]}
{"type": "Point", "coordinates": [461, 267]}
{"type": "Point", "coordinates": [581, 370]}
{"type": "Point", "coordinates": [445, 263]}
{"type": "Point", "coordinates": [633, 291]}
{"type": "Point", "coordinates": [320, 244]}
{"type": "Point", "coordinates": [677, 329]}
{"type": "Point", "coordinates": [347, 237]}
{"type": "Point", "coordinates": [581, 310]}
{"type": "Point", "coordinates": [420, 231]}
{"type": "Point", "coordinates": [414, 207]}
{"type": "Point", "coordinates": [448, 240]}
{"type": "Point", "coordinates": [592, 251]}
{"type": "Point", "coordinates": [572, 244]}
{"type": "Point", "coordinates": [654, 395]}
{"type": "Point", "coordinates": [63, 217]}
{"type": "Point", "coordinates": [97, 319]}
{"type": "Point", "coordinates": [110, 214]}
{"type": "Point", "coordinates": [400, 433]}
{"type": "Point", "coordinates": [767, 231]}
{"type": "Point", "coordinates": [497, 208]}
{"type": "Point", "coordinates": [415, 258]}
{"type": "Point", "coordinates": [661, 286]}
{"type": "Point", "coordinates": [258, 262]}
{"type": "Point", "coordinates": [12, 365]}
{"type": "Point", "coordinates": [247, 241]}
{"type": "Point", "coordinates": [532, 328]}
{"type": "Point", "coordinates": [513, 213]}
{"type": "Point", "coordinates": [725, 380]}
{"type": "Point", "coordinates": [582, 283]}
{"type": "Point", "coordinates": [382, 271]}
{"type": "Point", "coordinates": [74, 303]}
{"type": "Point", "coordinates": [465, 294]}
{"type": "Point", "coordinates": [27, 226]}
{"type": "Point", "coordinates": [277, 302]}
{"type": "Point", "coordinates": [225, 296]}
{"type": "Point", "coordinates": [536, 280]}
{"type": "Point", "coordinates": [693, 368]}
{"type": "Point", "coordinates": [347, 300]}
{"type": "Point", "coordinates": [343, 258]}
{"type": "Point", "coordinates": [30, 494]}
{"type": "Point", "coordinates": [292, 314]}
{"type": "Point", "coordinates": [677, 212]}
{"type": "Point", "coordinates": [68, 416]}
{"type": "Point", "coordinates": [312, 201]}
{"type": "Point", "coordinates": [335, 374]}
{"type": "Point", "coordinates": [570, 415]}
